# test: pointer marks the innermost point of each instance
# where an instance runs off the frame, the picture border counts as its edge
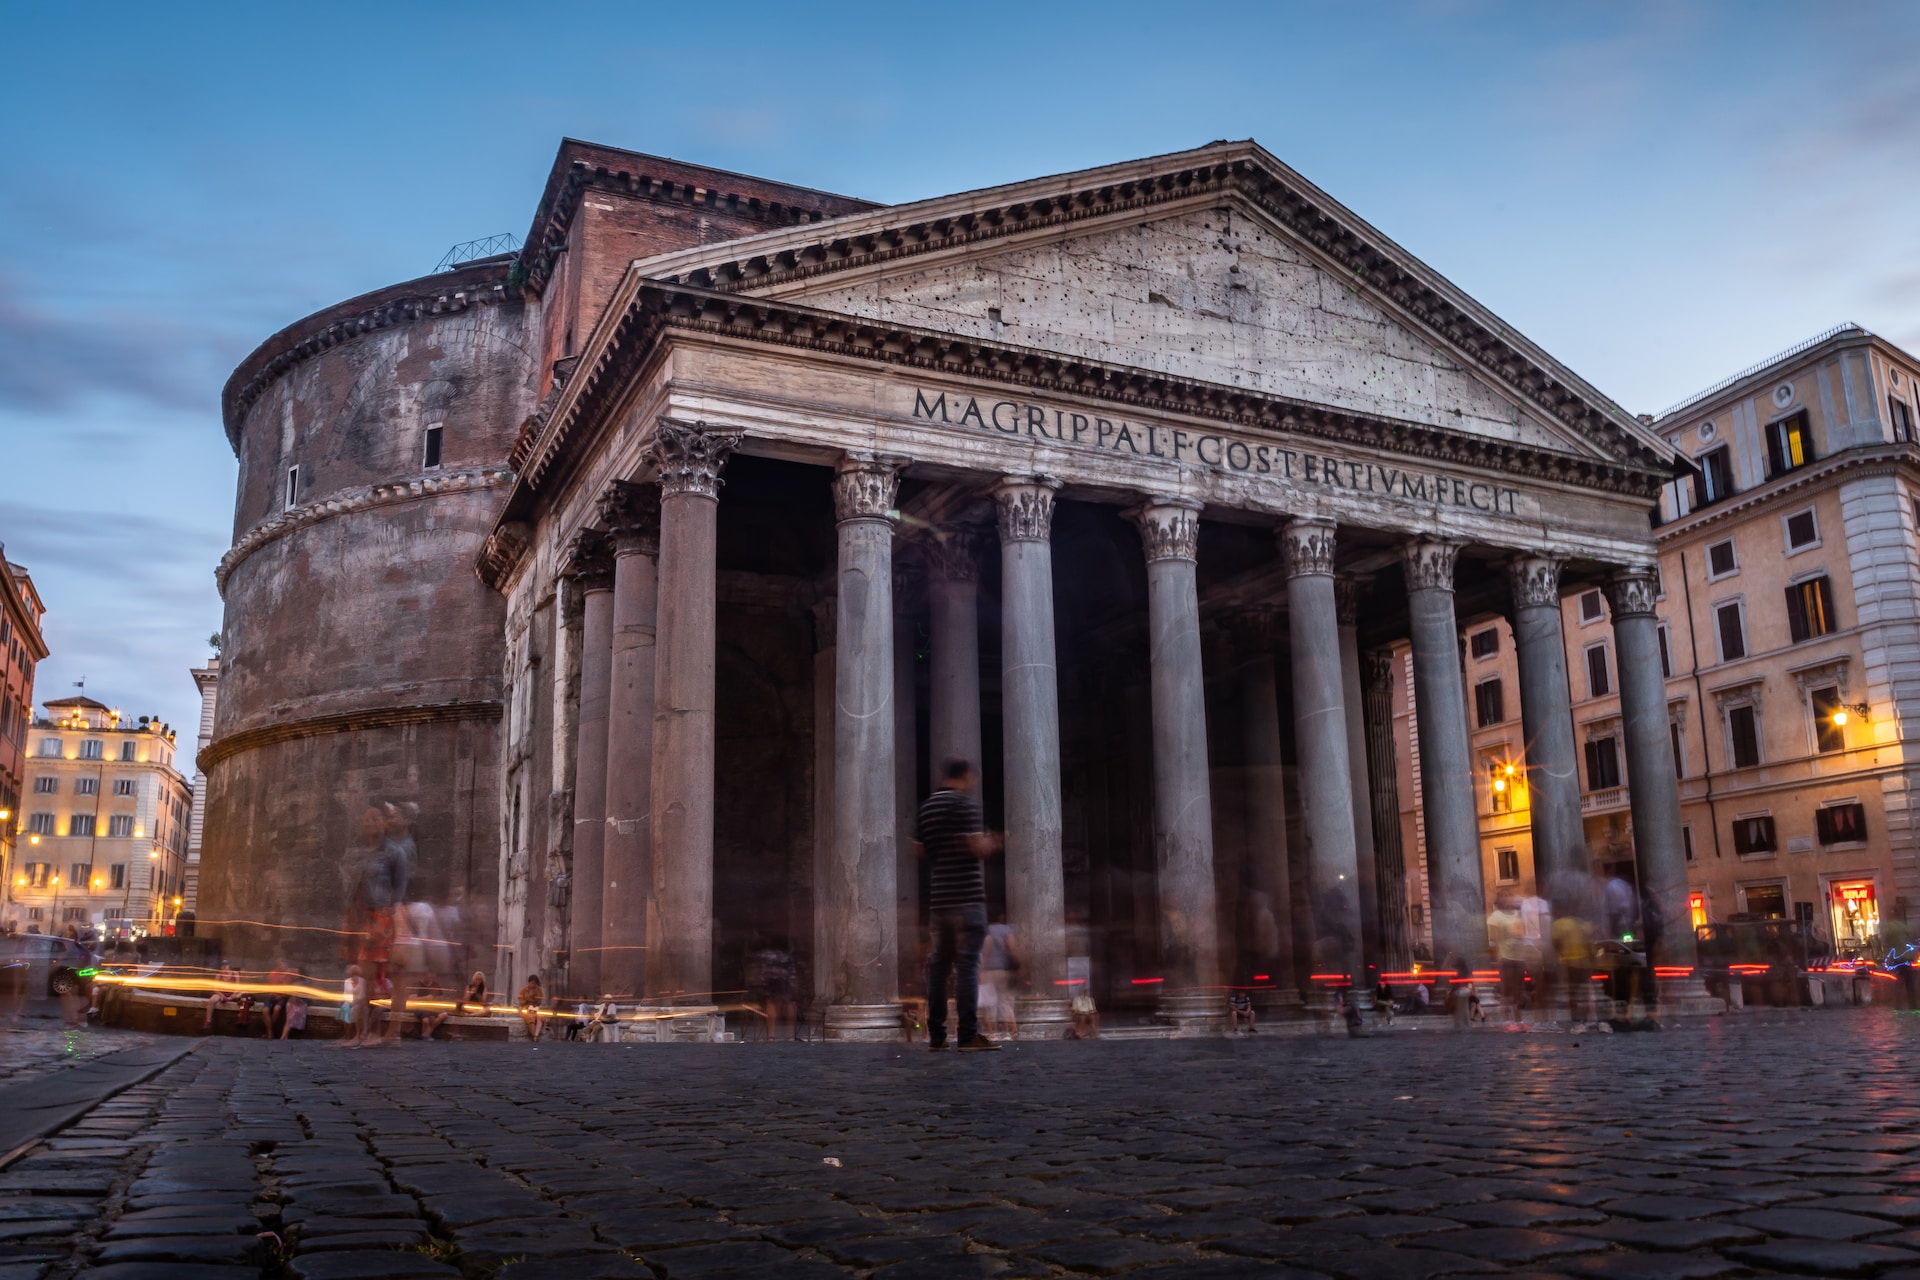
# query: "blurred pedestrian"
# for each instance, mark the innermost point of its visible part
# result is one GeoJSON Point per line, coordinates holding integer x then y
{"type": "Point", "coordinates": [955, 843]}
{"type": "Point", "coordinates": [356, 1007]}
{"type": "Point", "coordinates": [773, 988]}
{"type": "Point", "coordinates": [1239, 1010]}
{"type": "Point", "coordinates": [226, 991]}
{"type": "Point", "coordinates": [278, 997]}
{"type": "Point", "coordinates": [1573, 950]}
{"type": "Point", "coordinates": [1086, 1015]}
{"type": "Point", "coordinates": [530, 1000]}
{"type": "Point", "coordinates": [1506, 935]}
{"type": "Point", "coordinates": [999, 972]}
{"type": "Point", "coordinates": [474, 995]}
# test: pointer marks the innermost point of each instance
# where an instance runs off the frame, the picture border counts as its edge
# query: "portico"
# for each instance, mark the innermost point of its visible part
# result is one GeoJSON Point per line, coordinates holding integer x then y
{"type": "Point", "coordinates": [1161, 535]}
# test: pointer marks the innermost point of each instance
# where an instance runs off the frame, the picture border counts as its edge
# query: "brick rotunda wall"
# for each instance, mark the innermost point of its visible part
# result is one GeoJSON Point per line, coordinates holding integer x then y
{"type": "Point", "coordinates": [361, 656]}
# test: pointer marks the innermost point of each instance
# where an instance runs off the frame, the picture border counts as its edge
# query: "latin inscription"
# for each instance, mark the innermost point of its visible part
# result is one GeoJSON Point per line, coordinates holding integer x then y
{"type": "Point", "coordinates": [1218, 452]}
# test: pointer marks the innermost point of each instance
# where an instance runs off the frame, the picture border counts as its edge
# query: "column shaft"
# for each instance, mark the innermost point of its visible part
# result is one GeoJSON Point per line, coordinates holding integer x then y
{"type": "Point", "coordinates": [908, 588]}
{"type": "Point", "coordinates": [1266, 802]}
{"type": "Point", "coordinates": [1446, 758]}
{"type": "Point", "coordinates": [590, 784]}
{"type": "Point", "coordinates": [863, 942]}
{"type": "Point", "coordinates": [1546, 719]}
{"type": "Point", "coordinates": [1030, 714]}
{"type": "Point", "coordinates": [1352, 696]}
{"type": "Point", "coordinates": [1396, 946]}
{"type": "Point", "coordinates": [953, 604]}
{"type": "Point", "coordinates": [1191, 994]}
{"type": "Point", "coordinates": [1652, 789]}
{"type": "Point", "coordinates": [689, 458]}
{"type": "Point", "coordinates": [1320, 734]}
{"type": "Point", "coordinates": [634, 515]}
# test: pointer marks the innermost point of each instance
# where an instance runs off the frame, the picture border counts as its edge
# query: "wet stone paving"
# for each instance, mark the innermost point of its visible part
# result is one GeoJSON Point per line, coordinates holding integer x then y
{"type": "Point", "coordinates": [1770, 1143]}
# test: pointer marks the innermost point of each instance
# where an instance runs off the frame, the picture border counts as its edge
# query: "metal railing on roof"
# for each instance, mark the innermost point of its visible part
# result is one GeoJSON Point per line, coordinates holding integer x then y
{"type": "Point", "coordinates": [468, 250]}
{"type": "Point", "coordinates": [1752, 369]}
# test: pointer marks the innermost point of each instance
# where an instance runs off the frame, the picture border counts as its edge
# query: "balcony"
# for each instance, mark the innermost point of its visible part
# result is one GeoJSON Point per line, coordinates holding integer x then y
{"type": "Point", "coordinates": [1606, 800]}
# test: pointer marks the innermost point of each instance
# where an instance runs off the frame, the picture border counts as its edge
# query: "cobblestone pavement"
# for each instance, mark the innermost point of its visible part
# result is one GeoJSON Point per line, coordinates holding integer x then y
{"type": "Point", "coordinates": [1769, 1143]}
{"type": "Point", "coordinates": [42, 1047]}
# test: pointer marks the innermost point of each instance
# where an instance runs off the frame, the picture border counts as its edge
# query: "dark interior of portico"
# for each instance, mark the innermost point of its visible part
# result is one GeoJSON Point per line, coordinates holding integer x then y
{"type": "Point", "coordinates": [777, 557]}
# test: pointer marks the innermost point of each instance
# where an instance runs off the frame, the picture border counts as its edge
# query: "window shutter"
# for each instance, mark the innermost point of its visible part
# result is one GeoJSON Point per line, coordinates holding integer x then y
{"type": "Point", "coordinates": [1732, 643]}
{"type": "Point", "coordinates": [1797, 612]}
{"type": "Point", "coordinates": [1776, 454]}
{"type": "Point", "coordinates": [1823, 588]}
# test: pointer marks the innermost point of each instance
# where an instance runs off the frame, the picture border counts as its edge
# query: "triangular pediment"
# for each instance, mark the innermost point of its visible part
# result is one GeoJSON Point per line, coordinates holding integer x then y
{"type": "Point", "coordinates": [1213, 295]}
{"type": "Point", "coordinates": [1218, 266]}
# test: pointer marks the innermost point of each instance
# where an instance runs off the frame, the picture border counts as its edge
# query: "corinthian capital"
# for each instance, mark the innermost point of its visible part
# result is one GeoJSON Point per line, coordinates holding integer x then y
{"type": "Point", "coordinates": [689, 456]}
{"type": "Point", "coordinates": [588, 560]}
{"type": "Point", "coordinates": [631, 513]}
{"type": "Point", "coordinates": [1169, 528]}
{"type": "Point", "coordinates": [1379, 666]}
{"type": "Point", "coordinates": [1429, 564]}
{"type": "Point", "coordinates": [865, 485]}
{"type": "Point", "coordinates": [953, 555]}
{"type": "Point", "coordinates": [1535, 581]}
{"type": "Point", "coordinates": [1306, 545]}
{"type": "Point", "coordinates": [1025, 507]}
{"type": "Point", "coordinates": [1347, 590]}
{"type": "Point", "coordinates": [1632, 591]}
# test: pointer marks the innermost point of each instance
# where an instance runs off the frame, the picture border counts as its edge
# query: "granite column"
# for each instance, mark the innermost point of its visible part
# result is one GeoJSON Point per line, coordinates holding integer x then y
{"type": "Point", "coordinates": [1266, 806]}
{"type": "Point", "coordinates": [592, 566]}
{"type": "Point", "coordinates": [688, 459]}
{"type": "Point", "coordinates": [1347, 593]}
{"type": "Point", "coordinates": [1560, 867]}
{"type": "Point", "coordinates": [1320, 723]}
{"type": "Point", "coordinates": [1191, 994]}
{"type": "Point", "coordinates": [1446, 759]}
{"type": "Point", "coordinates": [863, 957]}
{"type": "Point", "coordinates": [1030, 715]}
{"type": "Point", "coordinates": [632, 514]}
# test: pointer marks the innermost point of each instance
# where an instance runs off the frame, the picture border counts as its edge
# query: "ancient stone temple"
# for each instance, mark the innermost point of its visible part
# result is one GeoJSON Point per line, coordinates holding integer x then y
{"type": "Point", "coordinates": [1116, 482]}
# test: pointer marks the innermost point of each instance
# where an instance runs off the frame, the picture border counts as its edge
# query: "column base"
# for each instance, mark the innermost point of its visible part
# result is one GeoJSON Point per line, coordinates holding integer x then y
{"type": "Point", "coordinates": [865, 1023]}
{"type": "Point", "coordinates": [1043, 1017]}
{"type": "Point", "coordinates": [1687, 998]}
{"type": "Point", "coordinates": [1199, 1013]}
{"type": "Point", "coordinates": [675, 1024]}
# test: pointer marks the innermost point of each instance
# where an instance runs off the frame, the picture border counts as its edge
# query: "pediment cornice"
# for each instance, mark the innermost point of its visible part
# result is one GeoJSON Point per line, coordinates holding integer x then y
{"type": "Point", "coordinates": [620, 351]}
{"type": "Point", "coordinates": [1403, 284]}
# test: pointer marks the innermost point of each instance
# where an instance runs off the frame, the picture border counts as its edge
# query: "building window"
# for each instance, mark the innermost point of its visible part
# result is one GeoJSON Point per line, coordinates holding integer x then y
{"type": "Point", "coordinates": [1828, 736]}
{"type": "Point", "coordinates": [1753, 836]}
{"type": "Point", "coordinates": [86, 786]}
{"type": "Point", "coordinates": [46, 785]}
{"type": "Point", "coordinates": [1810, 609]}
{"type": "Point", "coordinates": [1840, 824]}
{"type": "Point", "coordinates": [91, 749]}
{"type": "Point", "coordinates": [38, 873]}
{"type": "Point", "coordinates": [1721, 560]}
{"type": "Point", "coordinates": [79, 874]}
{"type": "Point", "coordinates": [432, 458]}
{"type": "Point", "coordinates": [1489, 702]}
{"type": "Point", "coordinates": [1603, 765]}
{"type": "Point", "coordinates": [1666, 654]}
{"type": "Point", "coordinates": [1901, 417]}
{"type": "Point", "coordinates": [1802, 530]}
{"type": "Point", "coordinates": [1500, 785]}
{"type": "Point", "coordinates": [293, 488]}
{"type": "Point", "coordinates": [80, 824]}
{"type": "Point", "coordinates": [1484, 644]}
{"type": "Point", "coordinates": [1507, 865]}
{"type": "Point", "coordinates": [1598, 685]}
{"type": "Point", "coordinates": [1789, 444]}
{"type": "Point", "coordinates": [1686, 843]}
{"type": "Point", "coordinates": [119, 873]}
{"type": "Point", "coordinates": [50, 747]}
{"type": "Point", "coordinates": [1679, 756]}
{"type": "Point", "coordinates": [72, 914]}
{"type": "Point", "coordinates": [120, 824]}
{"type": "Point", "coordinates": [126, 750]}
{"type": "Point", "coordinates": [41, 824]}
{"type": "Point", "coordinates": [1715, 478]}
{"type": "Point", "coordinates": [1592, 608]}
{"type": "Point", "coordinates": [1743, 729]}
{"type": "Point", "coordinates": [1733, 631]}
{"type": "Point", "coordinates": [124, 786]}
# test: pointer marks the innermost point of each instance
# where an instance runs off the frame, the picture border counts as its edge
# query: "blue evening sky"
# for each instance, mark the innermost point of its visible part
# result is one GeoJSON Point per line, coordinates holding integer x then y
{"type": "Point", "coordinates": [1659, 194]}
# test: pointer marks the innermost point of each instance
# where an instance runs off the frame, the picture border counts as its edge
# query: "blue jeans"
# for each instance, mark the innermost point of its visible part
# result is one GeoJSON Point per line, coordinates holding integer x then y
{"type": "Point", "coordinates": [957, 935]}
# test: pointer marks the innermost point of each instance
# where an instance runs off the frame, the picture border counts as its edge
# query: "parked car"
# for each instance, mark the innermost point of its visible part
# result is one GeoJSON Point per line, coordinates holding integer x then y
{"type": "Point", "coordinates": [58, 966]}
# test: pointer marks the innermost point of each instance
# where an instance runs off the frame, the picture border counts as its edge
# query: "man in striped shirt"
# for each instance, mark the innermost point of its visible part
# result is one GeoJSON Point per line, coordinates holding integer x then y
{"type": "Point", "coordinates": [955, 843]}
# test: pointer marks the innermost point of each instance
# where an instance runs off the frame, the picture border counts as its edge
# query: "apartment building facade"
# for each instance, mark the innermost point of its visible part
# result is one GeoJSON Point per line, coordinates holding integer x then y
{"type": "Point", "coordinates": [104, 836]}
{"type": "Point", "coordinates": [1790, 627]}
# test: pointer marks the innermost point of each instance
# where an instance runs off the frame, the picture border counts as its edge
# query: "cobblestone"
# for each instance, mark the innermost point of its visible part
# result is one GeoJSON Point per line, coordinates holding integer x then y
{"type": "Point", "coordinates": [1416, 1155]}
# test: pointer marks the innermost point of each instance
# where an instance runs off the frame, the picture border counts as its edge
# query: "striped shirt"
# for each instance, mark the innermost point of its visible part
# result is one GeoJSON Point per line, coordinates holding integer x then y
{"type": "Point", "coordinates": [954, 874]}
